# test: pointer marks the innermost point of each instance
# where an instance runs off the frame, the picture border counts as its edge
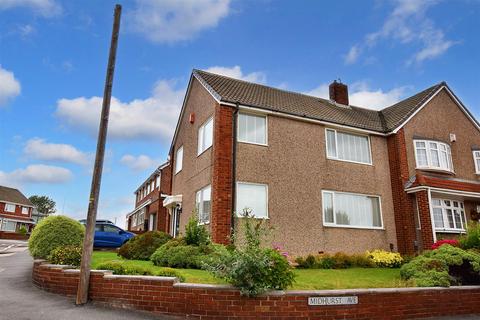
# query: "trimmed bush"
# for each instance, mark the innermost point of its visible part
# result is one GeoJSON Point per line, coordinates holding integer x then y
{"type": "Point", "coordinates": [385, 259]}
{"type": "Point", "coordinates": [472, 239]}
{"type": "Point", "coordinates": [141, 247]}
{"type": "Point", "coordinates": [443, 267]}
{"type": "Point", "coordinates": [118, 267]}
{"type": "Point", "coordinates": [53, 232]}
{"type": "Point", "coordinates": [338, 260]}
{"type": "Point", "coordinates": [22, 230]}
{"type": "Point", "coordinates": [66, 255]}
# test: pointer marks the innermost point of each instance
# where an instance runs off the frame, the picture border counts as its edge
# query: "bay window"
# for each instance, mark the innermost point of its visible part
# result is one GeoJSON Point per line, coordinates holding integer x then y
{"type": "Point", "coordinates": [203, 204]}
{"type": "Point", "coordinates": [476, 159]}
{"type": "Point", "coordinates": [348, 146]}
{"type": "Point", "coordinates": [179, 160]}
{"type": "Point", "coordinates": [341, 209]}
{"type": "Point", "coordinates": [205, 136]}
{"type": "Point", "coordinates": [252, 128]}
{"type": "Point", "coordinates": [433, 155]}
{"type": "Point", "coordinates": [448, 215]}
{"type": "Point", "coordinates": [252, 198]}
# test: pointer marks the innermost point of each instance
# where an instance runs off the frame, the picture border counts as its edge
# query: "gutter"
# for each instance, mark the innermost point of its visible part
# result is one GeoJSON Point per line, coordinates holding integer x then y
{"type": "Point", "coordinates": [234, 166]}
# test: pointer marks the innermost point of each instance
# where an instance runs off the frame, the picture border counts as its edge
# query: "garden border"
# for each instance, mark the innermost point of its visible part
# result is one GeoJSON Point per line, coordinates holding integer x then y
{"type": "Point", "coordinates": [166, 295]}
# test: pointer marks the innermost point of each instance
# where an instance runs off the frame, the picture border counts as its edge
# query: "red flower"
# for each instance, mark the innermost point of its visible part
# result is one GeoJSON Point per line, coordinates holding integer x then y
{"type": "Point", "coordinates": [439, 243]}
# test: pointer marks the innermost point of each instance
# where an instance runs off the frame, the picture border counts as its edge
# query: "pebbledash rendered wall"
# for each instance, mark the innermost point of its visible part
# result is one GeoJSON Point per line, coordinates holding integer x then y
{"type": "Point", "coordinates": [165, 295]}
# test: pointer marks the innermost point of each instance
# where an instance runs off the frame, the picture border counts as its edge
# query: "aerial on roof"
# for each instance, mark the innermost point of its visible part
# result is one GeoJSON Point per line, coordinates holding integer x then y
{"type": "Point", "coordinates": [14, 196]}
{"type": "Point", "coordinates": [234, 91]}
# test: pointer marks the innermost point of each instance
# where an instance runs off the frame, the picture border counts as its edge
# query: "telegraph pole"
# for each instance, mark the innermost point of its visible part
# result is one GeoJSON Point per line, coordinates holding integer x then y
{"type": "Point", "coordinates": [82, 290]}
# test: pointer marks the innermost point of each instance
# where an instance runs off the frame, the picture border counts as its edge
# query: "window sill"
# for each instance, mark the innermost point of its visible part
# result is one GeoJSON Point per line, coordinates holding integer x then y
{"type": "Point", "coordinates": [203, 223]}
{"type": "Point", "coordinates": [429, 169]}
{"type": "Point", "coordinates": [176, 173]}
{"type": "Point", "coordinates": [350, 161]}
{"type": "Point", "coordinates": [254, 143]}
{"type": "Point", "coordinates": [260, 218]}
{"type": "Point", "coordinates": [199, 154]}
{"type": "Point", "coordinates": [450, 231]}
{"type": "Point", "coordinates": [353, 227]}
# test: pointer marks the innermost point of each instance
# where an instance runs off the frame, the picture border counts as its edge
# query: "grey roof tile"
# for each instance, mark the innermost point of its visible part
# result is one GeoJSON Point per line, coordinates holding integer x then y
{"type": "Point", "coordinates": [13, 195]}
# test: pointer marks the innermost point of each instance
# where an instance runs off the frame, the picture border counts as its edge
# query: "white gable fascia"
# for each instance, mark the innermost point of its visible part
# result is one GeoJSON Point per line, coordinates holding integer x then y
{"type": "Point", "coordinates": [460, 105]}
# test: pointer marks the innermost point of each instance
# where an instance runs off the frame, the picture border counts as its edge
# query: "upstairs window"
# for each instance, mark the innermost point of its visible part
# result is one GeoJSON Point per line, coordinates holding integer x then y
{"type": "Point", "coordinates": [158, 181]}
{"type": "Point", "coordinates": [203, 204]}
{"type": "Point", "coordinates": [348, 147]}
{"type": "Point", "coordinates": [205, 136]}
{"type": "Point", "coordinates": [252, 128]}
{"type": "Point", "coordinates": [24, 210]}
{"type": "Point", "coordinates": [433, 155]}
{"type": "Point", "coordinates": [476, 159]}
{"type": "Point", "coordinates": [9, 207]}
{"type": "Point", "coordinates": [179, 160]}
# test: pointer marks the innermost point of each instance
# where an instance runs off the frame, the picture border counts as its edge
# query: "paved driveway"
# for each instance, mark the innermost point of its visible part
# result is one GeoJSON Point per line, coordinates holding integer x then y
{"type": "Point", "coordinates": [19, 299]}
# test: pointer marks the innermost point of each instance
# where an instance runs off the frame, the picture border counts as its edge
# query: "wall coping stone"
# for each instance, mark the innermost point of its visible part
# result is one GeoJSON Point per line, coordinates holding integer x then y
{"type": "Point", "coordinates": [150, 278]}
{"type": "Point", "coordinates": [204, 286]}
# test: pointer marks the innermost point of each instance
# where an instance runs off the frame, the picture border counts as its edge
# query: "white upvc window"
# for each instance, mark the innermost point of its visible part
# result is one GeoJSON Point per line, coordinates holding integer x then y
{"type": "Point", "coordinates": [351, 210]}
{"type": "Point", "coordinates": [9, 207]}
{"type": "Point", "coordinates": [205, 136]}
{"type": "Point", "coordinates": [24, 210]}
{"type": "Point", "coordinates": [476, 160]}
{"type": "Point", "coordinates": [348, 146]}
{"type": "Point", "coordinates": [203, 204]}
{"type": "Point", "coordinates": [158, 181]}
{"type": "Point", "coordinates": [252, 129]}
{"type": "Point", "coordinates": [153, 185]}
{"type": "Point", "coordinates": [433, 155]}
{"type": "Point", "coordinates": [252, 198]}
{"type": "Point", "coordinates": [179, 160]}
{"type": "Point", "coordinates": [8, 225]}
{"type": "Point", "coordinates": [448, 215]}
{"type": "Point", "coordinates": [148, 188]}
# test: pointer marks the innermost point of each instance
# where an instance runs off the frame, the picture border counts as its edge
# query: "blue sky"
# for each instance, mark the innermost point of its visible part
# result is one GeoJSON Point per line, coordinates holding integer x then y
{"type": "Point", "coordinates": [52, 67]}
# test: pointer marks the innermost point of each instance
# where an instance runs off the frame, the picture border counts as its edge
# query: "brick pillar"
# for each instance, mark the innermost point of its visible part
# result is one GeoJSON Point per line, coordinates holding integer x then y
{"type": "Point", "coordinates": [402, 202]}
{"type": "Point", "coordinates": [425, 219]}
{"type": "Point", "coordinates": [221, 217]}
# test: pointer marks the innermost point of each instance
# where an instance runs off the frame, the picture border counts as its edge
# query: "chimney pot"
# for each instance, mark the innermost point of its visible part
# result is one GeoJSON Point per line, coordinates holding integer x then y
{"type": "Point", "coordinates": [339, 92]}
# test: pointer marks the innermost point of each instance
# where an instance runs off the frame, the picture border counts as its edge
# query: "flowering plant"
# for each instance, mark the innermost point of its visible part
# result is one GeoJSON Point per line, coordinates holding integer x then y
{"type": "Point", "coordinates": [385, 259]}
{"type": "Point", "coordinates": [439, 243]}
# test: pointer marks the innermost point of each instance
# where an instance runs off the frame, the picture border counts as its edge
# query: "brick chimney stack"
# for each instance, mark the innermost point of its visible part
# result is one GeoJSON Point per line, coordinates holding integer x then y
{"type": "Point", "coordinates": [339, 92]}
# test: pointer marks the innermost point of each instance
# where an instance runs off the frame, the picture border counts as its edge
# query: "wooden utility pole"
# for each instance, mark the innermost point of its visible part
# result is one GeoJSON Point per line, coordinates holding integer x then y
{"type": "Point", "coordinates": [82, 290]}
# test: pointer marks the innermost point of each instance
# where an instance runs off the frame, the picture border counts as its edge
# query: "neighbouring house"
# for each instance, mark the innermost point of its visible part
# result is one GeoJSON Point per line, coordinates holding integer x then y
{"type": "Point", "coordinates": [15, 210]}
{"type": "Point", "coordinates": [37, 216]}
{"type": "Point", "coordinates": [328, 176]}
{"type": "Point", "coordinates": [149, 213]}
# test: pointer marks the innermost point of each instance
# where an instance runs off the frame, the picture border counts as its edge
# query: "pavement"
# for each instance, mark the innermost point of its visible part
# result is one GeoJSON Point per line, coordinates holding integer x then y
{"type": "Point", "coordinates": [20, 300]}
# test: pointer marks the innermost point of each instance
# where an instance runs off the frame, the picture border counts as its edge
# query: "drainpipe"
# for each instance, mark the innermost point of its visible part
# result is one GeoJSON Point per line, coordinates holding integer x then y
{"type": "Point", "coordinates": [234, 166]}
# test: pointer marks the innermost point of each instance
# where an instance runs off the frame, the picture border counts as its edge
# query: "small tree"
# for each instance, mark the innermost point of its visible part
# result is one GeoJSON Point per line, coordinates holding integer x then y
{"type": "Point", "coordinates": [43, 204]}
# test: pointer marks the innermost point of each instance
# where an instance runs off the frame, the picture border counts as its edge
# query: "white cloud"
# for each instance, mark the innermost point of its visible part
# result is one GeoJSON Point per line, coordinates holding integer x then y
{"type": "Point", "coordinates": [236, 72]}
{"type": "Point", "coordinates": [41, 150]}
{"type": "Point", "coordinates": [408, 24]}
{"type": "Point", "coordinates": [151, 118]}
{"type": "Point", "coordinates": [26, 30]}
{"type": "Point", "coordinates": [362, 96]}
{"type": "Point", "coordinates": [176, 20]}
{"type": "Point", "coordinates": [139, 163]}
{"type": "Point", "coordinates": [352, 55]}
{"type": "Point", "coordinates": [9, 86]}
{"type": "Point", "coordinates": [36, 173]}
{"type": "Point", "coordinates": [46, 8]}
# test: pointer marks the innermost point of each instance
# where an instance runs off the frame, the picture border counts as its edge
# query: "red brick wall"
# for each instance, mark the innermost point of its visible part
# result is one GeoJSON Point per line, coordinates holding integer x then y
{"type": "Point", "coordinates": [222, 175]}
{"type": "Point", "coordinates": [402, 202]}
{"type": "Point", "coordinates": [13, 235]}
{"type": "Point", "coordinates": [18, 211]}
{"type": "Point", "coordinates": [166, 296]}
{"type": "Point", "coordinates": [425, 219]}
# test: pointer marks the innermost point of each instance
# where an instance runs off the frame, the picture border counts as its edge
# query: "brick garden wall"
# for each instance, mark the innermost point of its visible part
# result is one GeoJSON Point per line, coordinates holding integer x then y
{"type": "Point", "coordinates": [164, 295]}
{"type": "Point", "coordinates": [13, 236]}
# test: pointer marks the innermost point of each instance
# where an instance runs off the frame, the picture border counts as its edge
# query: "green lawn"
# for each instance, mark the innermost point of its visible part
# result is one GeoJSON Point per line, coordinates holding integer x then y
{"type": "Point", "coordinates": [307, 279]}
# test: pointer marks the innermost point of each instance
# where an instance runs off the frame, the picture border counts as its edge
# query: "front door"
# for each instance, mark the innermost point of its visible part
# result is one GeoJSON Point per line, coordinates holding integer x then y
{"type": "Point", "coordinates": [153, 222]}
{"type": "Point", "coordinates": [176, 221]}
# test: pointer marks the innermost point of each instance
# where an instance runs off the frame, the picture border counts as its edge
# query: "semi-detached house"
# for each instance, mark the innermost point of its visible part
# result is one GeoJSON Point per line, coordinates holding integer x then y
{"type": "Point", "coordinates": [328, 176]}
{"type": "Point", "coordinates": [15, 210]}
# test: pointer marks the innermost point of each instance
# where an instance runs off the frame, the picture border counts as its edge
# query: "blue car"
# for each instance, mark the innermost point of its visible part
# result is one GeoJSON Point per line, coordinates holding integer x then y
{"type": "Point", "coordinates": [108, 235]}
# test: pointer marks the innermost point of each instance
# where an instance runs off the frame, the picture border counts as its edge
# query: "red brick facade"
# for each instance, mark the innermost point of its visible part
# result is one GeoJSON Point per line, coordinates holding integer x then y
{"type": "Point", "coordinates": [425, 219]}
{"type": "Point", "coordinates": [402, 202]}
{"type": "Point", "coordinates": [221, 216]}
{"type": "Point", "coordinates": [164, 295]}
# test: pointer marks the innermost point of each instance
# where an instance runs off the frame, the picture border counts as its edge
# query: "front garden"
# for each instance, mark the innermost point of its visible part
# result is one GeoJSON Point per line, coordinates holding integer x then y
{"type": "Point", "coordinates": [255, 268]}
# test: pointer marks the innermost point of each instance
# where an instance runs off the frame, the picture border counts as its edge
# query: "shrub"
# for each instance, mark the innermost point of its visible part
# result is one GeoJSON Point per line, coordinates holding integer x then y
{"type": "Point", "coordinates": [251, 268]}
{"type": "Point", "coordinates": [53, 232]}
{"type": "Point", "coordinates": [22, 230]}
{"type": "Point", "coordinates": [66, 255]}
{"type": "Point", "coordinates": [195, 234]}
{"type": "Point", "coordinates": [141, 247]}
{"type": "Point", "coordinates": [385, 259]}
{"type": "Point", "coordinates": [439, 243]}
{"type": "Point", "coordinates": [117, 267]}
{"type": "Point", "coordinates": [337, 261]}
{"type": "Point", "coordinates": [472, 239]}
{"type": "Point", "coordinates": [443, 267]}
